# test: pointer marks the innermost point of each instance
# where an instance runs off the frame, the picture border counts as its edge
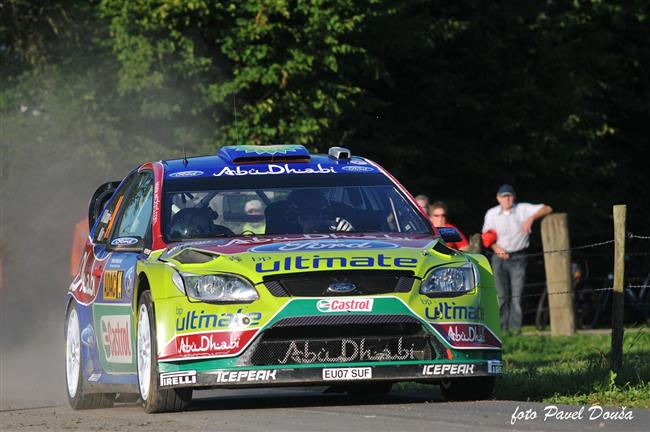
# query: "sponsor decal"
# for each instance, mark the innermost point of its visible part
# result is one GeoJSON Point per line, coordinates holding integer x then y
{"type": "Point", "coordinates": [113, 284]}
{"type": "Point", "coordinates": [273, 169]}
{"type": "Point", "coordinates": [495, 366]}
{"type": "Point", "coordinates": [348, 351]}
{"type": "Point", "coordinates": [155, 217]}
{"type": "Point", "coordinates": [292, 263]}
{"type": "Point", "coordinates": [84, 288]}
{"type": "Point", "coordinates": [115, 263]}
{"type": "Point", "coordinates": [124, 241]}
{"type": "Point", "coordinates": [451, 311]}
{"type": "Point", "coordinates": [467, 335]}
{"type": "Point", "coordinates": [193, 320]}
{"type": "Point", "coordinates": [448, 369]}
{"type": "Point", "coordinates": [94, 377]}
{"type": "Point", "coordinates": [358, 162]}
{"type": "Point", "coordinates": [177, 378]}
{"type": "Point", "coordinates": [345, 374]}
{"type": "Point", "coordinates": [324, 245]}
{"type": "Point", "coordinates": [106, 216]}
{"type": "Point", "coordinates": [206, 344]}
{"type": "Point", "coordinates": [116, 338]}
{"type": "Point", "coordinates": [186, 174]}
{"type": "Point", "coordinates": [246, 376]}
{"type": "Point", "coordinates": [129, 283]}
{"type": "Point", "coordinates": [356, 168]}
{"type": "Point", "coordinates": [351, 305]}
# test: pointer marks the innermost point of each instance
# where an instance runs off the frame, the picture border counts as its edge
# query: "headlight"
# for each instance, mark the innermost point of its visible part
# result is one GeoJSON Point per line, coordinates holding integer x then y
{"type": "Point", "coordinates": [217, 287]}
{"type": "Point", "coordinates": [446, 280]}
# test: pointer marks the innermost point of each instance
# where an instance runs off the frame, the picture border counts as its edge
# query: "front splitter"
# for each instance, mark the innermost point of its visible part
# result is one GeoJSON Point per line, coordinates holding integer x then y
{"type": "Point", "coordinates": [326, 375]}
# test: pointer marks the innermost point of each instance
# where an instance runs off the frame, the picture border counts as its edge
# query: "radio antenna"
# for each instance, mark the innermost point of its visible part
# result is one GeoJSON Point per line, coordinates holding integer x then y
{"type": "Point", "coordinates": [234, 108]}
{"type": "Point", "coordinates": [185, 161]}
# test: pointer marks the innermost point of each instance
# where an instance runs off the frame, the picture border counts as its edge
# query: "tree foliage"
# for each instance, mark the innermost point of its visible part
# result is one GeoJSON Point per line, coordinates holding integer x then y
{"type": "Point", "coordinates": [454, 97]}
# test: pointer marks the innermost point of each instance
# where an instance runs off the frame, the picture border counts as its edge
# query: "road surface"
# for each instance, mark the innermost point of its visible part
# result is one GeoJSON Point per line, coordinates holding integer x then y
{"type": "Point", "coordinates": [310, 409]}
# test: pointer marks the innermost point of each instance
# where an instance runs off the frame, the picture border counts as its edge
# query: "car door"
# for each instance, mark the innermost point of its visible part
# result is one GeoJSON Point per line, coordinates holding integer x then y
{"type": "Point", "coordinates": [112, 311]}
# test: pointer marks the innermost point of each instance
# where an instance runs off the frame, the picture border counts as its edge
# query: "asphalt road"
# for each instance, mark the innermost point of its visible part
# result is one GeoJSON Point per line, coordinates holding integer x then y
{"type": "Point", "coordinates": [312, 410]}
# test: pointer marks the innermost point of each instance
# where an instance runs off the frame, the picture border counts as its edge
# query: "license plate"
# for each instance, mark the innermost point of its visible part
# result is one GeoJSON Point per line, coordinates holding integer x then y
{"type": "Point", "coordinates": [343, 374]}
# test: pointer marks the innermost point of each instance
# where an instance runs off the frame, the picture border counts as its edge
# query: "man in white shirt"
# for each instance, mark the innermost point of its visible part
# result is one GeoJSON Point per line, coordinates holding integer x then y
{"type": "Point", "coordinates": [512, 223]}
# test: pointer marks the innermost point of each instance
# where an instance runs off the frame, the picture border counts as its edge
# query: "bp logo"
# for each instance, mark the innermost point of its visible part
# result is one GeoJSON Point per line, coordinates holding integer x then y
{"type": "Point", "coordinates": [116, 338]}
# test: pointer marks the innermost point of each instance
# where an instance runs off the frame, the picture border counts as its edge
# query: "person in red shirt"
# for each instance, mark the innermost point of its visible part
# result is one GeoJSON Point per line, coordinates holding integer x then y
{"type": "Point", "coordinates": [438, 216]}
{"type": "Point", "coordinates": [78, 244]}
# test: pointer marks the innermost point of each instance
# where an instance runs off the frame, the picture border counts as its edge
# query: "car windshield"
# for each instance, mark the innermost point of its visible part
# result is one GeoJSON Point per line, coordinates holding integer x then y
{"type": "Point", "coordinates": [283, 204]}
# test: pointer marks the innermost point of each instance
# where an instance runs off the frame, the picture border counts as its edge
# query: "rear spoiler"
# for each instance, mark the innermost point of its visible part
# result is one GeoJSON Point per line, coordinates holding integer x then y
{"type": "Point", "coordinates": [99, 200]}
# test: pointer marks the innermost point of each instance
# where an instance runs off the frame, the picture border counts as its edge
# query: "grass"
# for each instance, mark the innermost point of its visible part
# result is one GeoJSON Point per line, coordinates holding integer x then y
{"type": "Point", "coordinates": [575, 370]}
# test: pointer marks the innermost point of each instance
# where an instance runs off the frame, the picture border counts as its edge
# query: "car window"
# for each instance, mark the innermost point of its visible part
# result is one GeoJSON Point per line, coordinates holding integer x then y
{"type": "Point", "coordinates": [136, 214]}
{"type": "Point", "coordinates": [109, 216]}
{"type": "Point", "coordinates": [278, 205]}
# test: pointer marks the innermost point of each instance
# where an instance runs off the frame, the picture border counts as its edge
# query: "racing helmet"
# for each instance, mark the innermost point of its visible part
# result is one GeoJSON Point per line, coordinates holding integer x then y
{"type": "Point", "coordinates": [193, 223]}
{"type": "Point", "coordinates": [307, 204]}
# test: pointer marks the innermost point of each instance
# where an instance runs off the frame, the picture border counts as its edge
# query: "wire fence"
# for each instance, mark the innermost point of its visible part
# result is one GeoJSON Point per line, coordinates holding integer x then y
{"type": "Point", "coordinates": [644, 280]}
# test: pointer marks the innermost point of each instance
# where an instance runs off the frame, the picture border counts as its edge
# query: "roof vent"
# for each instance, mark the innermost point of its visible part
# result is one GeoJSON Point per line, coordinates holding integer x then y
{"type": "Point", "coordinates": [251, 154]}
{"type": "Point", "coordinates": [339, 153]}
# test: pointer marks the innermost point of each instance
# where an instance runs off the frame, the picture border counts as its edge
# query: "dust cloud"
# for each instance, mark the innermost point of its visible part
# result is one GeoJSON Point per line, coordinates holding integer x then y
{"type": "Point", "coordinates": [45, 189]}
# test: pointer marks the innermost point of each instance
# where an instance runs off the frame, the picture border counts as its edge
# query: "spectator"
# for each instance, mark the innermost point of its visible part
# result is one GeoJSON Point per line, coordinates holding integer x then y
{"type": "Point", "coordinates": [79, 238]}
{"type": "Point", "coordinates": [512, 224]}
{"type": "Point", "coordinates": [423, 202]}
{"type": "Point", "coordinates": [253, 208]}
{"type": "Point", "coordinates": [438, 218]}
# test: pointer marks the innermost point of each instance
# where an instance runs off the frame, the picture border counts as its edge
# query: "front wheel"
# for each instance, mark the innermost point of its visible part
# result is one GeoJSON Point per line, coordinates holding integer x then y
{"type": "Point", "coordinates": [467, 389]}
{"type": "Point", "coordinates": [74, 368]}
{"type": "Point", "coordinates": [154, 399]}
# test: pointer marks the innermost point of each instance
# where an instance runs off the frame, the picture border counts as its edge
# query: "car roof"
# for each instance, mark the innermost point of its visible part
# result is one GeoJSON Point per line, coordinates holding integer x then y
{"type": "Point", "coordinates": [262, 160]}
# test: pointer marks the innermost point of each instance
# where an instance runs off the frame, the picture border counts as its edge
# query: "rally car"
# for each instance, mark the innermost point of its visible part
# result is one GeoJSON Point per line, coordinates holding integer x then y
{"type": "Point", "coordinates": [269, 266]}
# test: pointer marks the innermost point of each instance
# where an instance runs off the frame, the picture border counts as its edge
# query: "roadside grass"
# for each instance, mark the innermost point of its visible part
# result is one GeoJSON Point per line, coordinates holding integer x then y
{"type": "Point", "coordinates": [575, 370]}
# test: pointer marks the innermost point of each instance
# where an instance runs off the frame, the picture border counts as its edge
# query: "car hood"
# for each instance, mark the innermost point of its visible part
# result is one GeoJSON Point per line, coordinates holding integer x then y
{"type": "Point", "coordinates": [260, 256]}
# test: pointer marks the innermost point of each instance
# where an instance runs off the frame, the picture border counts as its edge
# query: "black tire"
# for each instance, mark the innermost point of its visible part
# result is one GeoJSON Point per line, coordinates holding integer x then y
{"type": "Point", "coordinates": [587, 309]}
{"type": "Point", "coordinates": [542, 314]}
{"type": "Point", "coordinates": [80, 400]}
{"type": "Point", "coordinates": [156, 399]}
{"type": "Point", "coordinates": [467, 389]}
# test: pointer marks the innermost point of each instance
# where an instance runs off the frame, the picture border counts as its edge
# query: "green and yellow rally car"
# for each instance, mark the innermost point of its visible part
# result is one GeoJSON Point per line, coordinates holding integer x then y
{"type": "Point", "coordinates": [270, 266]}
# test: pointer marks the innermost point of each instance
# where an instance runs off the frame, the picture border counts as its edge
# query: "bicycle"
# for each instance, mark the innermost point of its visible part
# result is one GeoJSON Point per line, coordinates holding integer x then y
{"type": "Point", "coordinates": [591, 306]}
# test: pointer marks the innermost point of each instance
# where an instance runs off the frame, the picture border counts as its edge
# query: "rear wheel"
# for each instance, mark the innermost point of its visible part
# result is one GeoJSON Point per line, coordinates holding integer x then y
{"type": "Point", "coordinates": [541, 315]}
{"type": "Point", "coordinates": [154, 399]}
{"type": "Point", "coordinates": [74, 368]}
{"type": "Point", "coordinates": [467, 389]}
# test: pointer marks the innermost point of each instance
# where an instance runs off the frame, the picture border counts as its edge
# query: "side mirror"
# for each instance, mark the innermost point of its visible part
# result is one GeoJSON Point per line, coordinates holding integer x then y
{"type": "Point", "coordinates": [449, 234]}
{"type": "Point", "coordinates": [126, 244]}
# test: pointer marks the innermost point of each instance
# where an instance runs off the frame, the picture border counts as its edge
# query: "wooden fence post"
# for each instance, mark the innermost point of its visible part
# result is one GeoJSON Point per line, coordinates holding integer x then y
{"type": "Point", "coordinates": [616, 359]}
{"type": "Point", "coordinates": [555, 237]}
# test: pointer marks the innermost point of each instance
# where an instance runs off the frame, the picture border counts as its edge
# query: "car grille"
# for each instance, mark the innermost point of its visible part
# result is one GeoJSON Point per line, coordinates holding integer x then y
{"type": "Point", "coordinates": [343, 339]}
{"type": "Point", "coordinates": [316, 284]}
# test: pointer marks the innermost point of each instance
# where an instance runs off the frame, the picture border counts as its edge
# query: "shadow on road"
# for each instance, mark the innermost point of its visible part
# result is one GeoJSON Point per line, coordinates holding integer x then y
{"type": "Point", "coordinates": [304, 398]}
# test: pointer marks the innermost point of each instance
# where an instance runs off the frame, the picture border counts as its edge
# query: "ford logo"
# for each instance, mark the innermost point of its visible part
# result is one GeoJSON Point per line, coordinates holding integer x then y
{"type": "Point", "coordinates": [341, 287]}
{"type": "Point", "coordinates": [124, 241]}
{"type": "Point", "coordinates": [186, 174]}
{"type": "Point", "coordinates": [324, 245]}
{"type": "Point", "coordinates": [357, 168]}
